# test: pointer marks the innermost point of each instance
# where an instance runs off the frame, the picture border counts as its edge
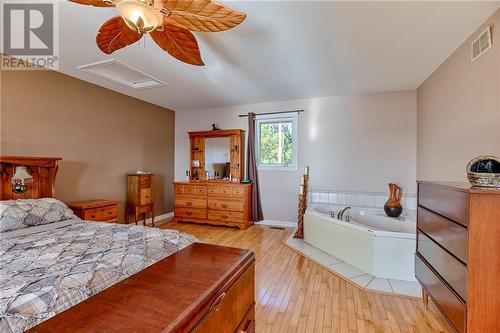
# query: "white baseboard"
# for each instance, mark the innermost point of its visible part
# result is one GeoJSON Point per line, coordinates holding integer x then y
{"type": "Point", "coordinates": [277, 223]}
{"type": "Point", "coordinates": [160, 217]}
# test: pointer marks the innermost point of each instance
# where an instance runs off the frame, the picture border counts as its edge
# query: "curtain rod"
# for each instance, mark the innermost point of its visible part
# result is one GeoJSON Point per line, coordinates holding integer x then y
{"type": "Point", "coordinates": [266, 113]}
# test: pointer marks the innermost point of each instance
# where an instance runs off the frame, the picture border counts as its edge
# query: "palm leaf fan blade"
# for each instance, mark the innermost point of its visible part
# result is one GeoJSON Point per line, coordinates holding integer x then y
{"type": "Point", "coordinates": [201, 15]}
{"type": "Point", "coordinates": [115, 35]}
{"type": "Point", "coordinates": [180, 43]}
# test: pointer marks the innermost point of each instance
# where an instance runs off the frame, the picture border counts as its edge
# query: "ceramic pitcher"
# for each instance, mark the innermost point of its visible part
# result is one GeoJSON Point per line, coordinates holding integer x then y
{"type": "Point", "coordinates": [393, 206]}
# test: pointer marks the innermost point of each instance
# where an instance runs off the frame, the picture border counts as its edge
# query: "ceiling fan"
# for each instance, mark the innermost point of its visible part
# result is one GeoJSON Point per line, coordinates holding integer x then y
{"type": "Point", "coordinates": [168, 22]}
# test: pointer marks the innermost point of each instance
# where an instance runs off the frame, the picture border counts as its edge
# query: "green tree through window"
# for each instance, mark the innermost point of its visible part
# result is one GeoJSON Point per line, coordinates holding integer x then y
{"type": "Point", "coordinates": [276, 142]}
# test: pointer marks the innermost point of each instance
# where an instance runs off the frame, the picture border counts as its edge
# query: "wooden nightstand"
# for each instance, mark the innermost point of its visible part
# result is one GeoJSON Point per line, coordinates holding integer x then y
{"type": "Point", "coordinates": [96, 210]}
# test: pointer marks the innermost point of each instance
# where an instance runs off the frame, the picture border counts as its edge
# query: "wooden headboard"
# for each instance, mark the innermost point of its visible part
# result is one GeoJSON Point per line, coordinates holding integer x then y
{"type": "Point", "coordinates": [43, 170]}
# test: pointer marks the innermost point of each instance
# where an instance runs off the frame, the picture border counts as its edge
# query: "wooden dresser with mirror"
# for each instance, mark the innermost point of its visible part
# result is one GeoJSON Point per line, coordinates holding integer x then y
{"type": "Point", "coordinates": [214, 193]}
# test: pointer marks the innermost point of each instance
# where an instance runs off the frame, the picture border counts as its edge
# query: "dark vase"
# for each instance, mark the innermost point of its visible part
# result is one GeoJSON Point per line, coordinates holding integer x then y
{"type": "Point", "coordinates": [393, 206]}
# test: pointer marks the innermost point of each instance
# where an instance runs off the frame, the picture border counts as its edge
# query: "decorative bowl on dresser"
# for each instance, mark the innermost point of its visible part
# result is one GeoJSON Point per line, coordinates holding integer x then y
{"type": "Point", "coordinates": [458, 253]}
{"type": "Point", "coordinates": [96, 210]}
{"type": "Point", "coordinates": [140, 197]}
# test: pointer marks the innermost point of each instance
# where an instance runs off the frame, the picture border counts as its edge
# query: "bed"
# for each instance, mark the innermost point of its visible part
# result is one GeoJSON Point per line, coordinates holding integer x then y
{"type": "Point", "coordinates": [60, 273]}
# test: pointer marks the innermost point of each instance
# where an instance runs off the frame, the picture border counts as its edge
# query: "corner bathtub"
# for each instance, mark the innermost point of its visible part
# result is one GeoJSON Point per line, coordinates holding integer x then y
{"type": "Point", "coordinates": [371, 241]}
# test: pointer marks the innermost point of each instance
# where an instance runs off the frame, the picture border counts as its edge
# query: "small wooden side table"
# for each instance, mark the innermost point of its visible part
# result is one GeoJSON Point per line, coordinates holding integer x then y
{"type": "Point", "coordinates": [96, 210]}
{"type": "Point", "coordinates": [140, 197]}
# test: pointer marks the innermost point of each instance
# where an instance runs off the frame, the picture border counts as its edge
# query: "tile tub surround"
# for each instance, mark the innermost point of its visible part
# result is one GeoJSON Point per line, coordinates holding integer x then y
{"type": "Point", "coordinates": [358, 199]}
{"type": "Point", "coordinates": [352, 274]}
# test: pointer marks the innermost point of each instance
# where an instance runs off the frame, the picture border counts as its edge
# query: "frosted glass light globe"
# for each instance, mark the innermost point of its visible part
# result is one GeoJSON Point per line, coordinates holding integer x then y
{"type": "Point", "coordinates": [139, 16]}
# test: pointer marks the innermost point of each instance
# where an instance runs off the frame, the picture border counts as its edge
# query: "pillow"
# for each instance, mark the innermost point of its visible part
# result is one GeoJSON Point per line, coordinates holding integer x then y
{"type": "Point", "coordinates": [24, 213]}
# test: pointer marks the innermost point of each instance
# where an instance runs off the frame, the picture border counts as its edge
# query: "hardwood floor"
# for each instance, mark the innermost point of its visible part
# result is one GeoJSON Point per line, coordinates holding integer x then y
{"type": "Point", "coordinates": [294, 294]}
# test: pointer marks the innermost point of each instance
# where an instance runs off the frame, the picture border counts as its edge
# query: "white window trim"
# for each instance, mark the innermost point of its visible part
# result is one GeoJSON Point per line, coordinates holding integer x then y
{"type": "Point", "coordinates": [294, 117]}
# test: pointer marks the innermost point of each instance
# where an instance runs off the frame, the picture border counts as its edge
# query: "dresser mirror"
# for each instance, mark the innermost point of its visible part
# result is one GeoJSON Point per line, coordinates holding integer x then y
{"type": "Point", "coordinates": [217, 158]}
{"type": "Point", "coordinates": [217, 155]}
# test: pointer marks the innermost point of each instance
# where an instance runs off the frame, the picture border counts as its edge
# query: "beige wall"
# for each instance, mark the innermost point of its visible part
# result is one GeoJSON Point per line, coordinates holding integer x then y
{"type": "Point", "coordinates": [459, 111]}
{"type": "Point", "coordinates": [100, 134]}
{"type": "Point", "coordinates": [357, 143]}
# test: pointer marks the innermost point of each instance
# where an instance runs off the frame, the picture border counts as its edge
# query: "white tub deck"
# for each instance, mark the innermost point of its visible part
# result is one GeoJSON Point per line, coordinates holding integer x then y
{"type": "Point", "coordinates": [372, 243]}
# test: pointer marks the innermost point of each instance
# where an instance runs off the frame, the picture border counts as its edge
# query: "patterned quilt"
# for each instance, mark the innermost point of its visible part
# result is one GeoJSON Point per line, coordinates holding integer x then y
{"type": "Point", "coordinates": [43, 274]}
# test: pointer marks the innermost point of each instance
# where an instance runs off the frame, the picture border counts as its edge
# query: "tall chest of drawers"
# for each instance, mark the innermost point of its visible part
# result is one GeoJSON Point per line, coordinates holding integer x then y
{"type": "Point", "coordinates": [140, 197]}
{"type": "Point", "coordinates": [216, 203]}
{"type": "Point", "coordinates": [458, 253]}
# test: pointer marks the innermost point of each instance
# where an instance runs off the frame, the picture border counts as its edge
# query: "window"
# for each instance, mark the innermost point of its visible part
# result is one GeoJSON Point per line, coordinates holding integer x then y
{"type": "Point", "coordinates": [276, 141]}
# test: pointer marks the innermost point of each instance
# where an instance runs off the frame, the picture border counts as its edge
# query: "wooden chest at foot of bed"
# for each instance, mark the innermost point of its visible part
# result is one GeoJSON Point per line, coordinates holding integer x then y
{"type": "Point", "coordinates": [202, 288]}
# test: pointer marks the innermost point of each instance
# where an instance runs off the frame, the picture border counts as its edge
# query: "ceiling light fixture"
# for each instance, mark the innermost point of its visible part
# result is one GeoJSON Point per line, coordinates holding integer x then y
{"type": "Point", "coordinates": [139, 15]}
{"type": "Point", "coordinates": [168, 22]}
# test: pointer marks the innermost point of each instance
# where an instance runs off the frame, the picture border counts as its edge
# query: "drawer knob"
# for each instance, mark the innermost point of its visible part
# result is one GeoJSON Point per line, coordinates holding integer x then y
{"type": "Point", "coordinates": [92, 216]}
{"type": "Point", "coordinates": [110, 213]}
{"type": "Point", "coordinates": [189, 203]}
{"type": "Point", "coordinates": [189, 213]}
{"type": "Point", "coordinates": [224, 216]}
{"type": "Point", "coordinates": [249, 326]}
{"type": "Point", "coordinates": [224, 206]}
{"type": "Point", "coordinates": [216, 303]}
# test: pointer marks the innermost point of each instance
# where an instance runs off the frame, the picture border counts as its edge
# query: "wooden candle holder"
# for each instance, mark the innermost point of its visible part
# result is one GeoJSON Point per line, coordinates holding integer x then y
{"type": "Point", "coordinates": [302, 206]}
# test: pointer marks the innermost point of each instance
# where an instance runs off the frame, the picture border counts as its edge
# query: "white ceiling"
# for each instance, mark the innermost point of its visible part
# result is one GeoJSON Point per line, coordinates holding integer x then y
{"type": "Point", "coordinates": [287, 50]}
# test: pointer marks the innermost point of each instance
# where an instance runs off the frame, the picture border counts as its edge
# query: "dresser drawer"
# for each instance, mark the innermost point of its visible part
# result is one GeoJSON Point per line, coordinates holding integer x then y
{"type": "Point", "coordinates": [195, 190]}
{"type": "Point", "coordinates": [229, 191]}
{"type": "Point", "coordinates": [192, 190]}
{"type": "Point", "coordinates": [450, 269]}
{"type": "Point", "coordinates": [449, 203]}
{"type": "Point", "coordinates": [193, 213]}
{"type": "Point", "coordinates": [448, 234]}
{"type": "Point", "coordinates": [236, 206]}
{"type": "Point", "coordinates": [144, 182]}
{"type": "Point", "coordinates": [200, 190]}
{"type": "Point", "coordinates": [189, 190]}
{"type": "Point", "coordinates": [238, 191]}
{"type": "Point", "coordinates": [101, 214]}
{"type": "Point", "coordinates": [190, 202]}
{"type": "Point", "coordinates": [146, 196]}
{"type": "Point", "coordinates": [211, 190]}
{"type": "Point", "coordinates": [144, 209]}
{"type": "Point", "coordinates": [231, 307]}
{"type": "Point", "coordinates": [225, 216]}
{"type": "Point", "coordinates": [451, 306]}
{"type": "Point", "coordinates": [178, 189]}
{"type": "Point", "coordinates": [224, 190]}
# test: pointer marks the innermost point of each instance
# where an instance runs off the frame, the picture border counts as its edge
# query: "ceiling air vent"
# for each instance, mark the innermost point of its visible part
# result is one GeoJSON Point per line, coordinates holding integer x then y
{"type": "Point", "coordinates": [481, 44]}
{"type": "Point", "coordinates": [121, 73]}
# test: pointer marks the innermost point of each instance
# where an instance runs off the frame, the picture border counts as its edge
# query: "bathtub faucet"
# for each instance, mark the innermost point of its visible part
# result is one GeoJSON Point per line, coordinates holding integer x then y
{"type": "Point", "coordinates": [340, 215]}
